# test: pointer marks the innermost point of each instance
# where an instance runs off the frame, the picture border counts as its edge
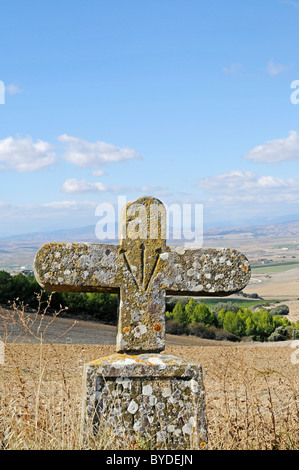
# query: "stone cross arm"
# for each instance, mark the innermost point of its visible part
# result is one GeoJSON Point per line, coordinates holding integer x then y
{"type": "Point", "coordinates": [142, 275]}
{"type": "Point", "coordinates": [78, 267]}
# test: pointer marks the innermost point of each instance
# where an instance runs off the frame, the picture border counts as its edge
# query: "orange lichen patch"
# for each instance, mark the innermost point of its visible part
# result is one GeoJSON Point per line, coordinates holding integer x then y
{"type": "Point", "coordinates": [158, 327]}
{"type": "Point", "coordinates": [126, 329]}
{"type": "Point", "coordinates": [245, 268]}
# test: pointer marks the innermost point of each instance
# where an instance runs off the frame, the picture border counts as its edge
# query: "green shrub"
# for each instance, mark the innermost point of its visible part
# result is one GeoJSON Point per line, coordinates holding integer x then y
{"type": "Point", "coordinates": [19, 288]}
{"type": "Point", "coordinates": [103, 306]}
{"type": "Point", "coordinates": [98, 305]}
{"type": "Point", "coordinates": [6, 287]}
{"type": "Point", "coordinates": [295, 333]}
{"type": "Point", "coordinates": [279, 334]}
{"type": "Point", "coordinates": [174, 327]}
{"type": "Point", "coordinates": [169, 315]}
{"type": "Point", "coordinates": [189, 309]}
{"type": "Point", "coordinates": [284, 332]}
{"type": "Point", "coordinates": [202, 314]}
{"type": "Point", "coordinates": [201, 330]}
{"type": "Point", "coordinates": [264, 324]}
{"type": "Point", "coordinates": [180, 314]}
{"type": "Point", "coordinates": [223, 335]}
{"type": "Point", "coordinates": [250, 327]}
{"type": "Point", "coordinates": [226, 306]}
{"type": "Point", "coordinates": [220, 317]}
{"type": "Point", "coordinates": [234, 323]}
{"type": "Point", "coordinates": [280, 310]}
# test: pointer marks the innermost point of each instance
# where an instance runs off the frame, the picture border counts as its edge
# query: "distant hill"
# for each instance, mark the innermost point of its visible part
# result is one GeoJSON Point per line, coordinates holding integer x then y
{"type": "Point", "coordinates": [19, 250]}
{"type": "Point", "coordinates": [80, 233]}
{"type": "Point", "coordinates": [277, 230]}
{"type": "Point", "coordinates": [87, 233]}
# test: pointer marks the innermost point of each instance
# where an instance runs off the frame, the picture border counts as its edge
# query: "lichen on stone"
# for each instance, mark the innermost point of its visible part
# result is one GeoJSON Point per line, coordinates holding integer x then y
{"type": "Point", "coordinates": [158, 399]}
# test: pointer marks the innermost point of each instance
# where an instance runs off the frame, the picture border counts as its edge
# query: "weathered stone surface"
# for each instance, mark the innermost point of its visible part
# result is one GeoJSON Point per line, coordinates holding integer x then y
{"type": "Point", "coordinates": [143, 270]}
{"type": "Point", "coordinates": [155, 400]}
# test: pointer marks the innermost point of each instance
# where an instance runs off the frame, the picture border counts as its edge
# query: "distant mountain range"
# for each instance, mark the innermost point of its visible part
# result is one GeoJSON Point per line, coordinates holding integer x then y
{"type": "Point", "coordinates": [64, 235]}
{"type": "Point", "coordinates": [277, 230]}
{"type": "Point", "coordinates": [276, 226]}
{"type": "Point", "coordinates": [87, 233]}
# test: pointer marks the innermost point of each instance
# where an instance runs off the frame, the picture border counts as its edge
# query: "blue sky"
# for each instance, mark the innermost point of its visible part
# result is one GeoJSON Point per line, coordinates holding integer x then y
{"type": "Point", "coordinates": [188, 101]}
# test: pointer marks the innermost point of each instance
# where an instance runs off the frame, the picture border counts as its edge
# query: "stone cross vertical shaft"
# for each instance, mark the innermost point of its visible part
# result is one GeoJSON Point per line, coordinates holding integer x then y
{"type": "Point", "coordinates": [142, 269]}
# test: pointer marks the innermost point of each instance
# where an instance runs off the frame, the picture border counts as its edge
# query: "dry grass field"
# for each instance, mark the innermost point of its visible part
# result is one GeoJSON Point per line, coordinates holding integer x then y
{"type": "Point", "coordinates": [252, 395]}
{"type": "Point", "coordinates": [275, 284]}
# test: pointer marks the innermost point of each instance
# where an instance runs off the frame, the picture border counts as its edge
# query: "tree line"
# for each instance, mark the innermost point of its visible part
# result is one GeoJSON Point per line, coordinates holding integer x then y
{"type": "Point", "coordinates": [261, 325]}
{"type": "Point", "coordinates": [25, 290]}
{"type": "Point", "coordinates": [224, 320]}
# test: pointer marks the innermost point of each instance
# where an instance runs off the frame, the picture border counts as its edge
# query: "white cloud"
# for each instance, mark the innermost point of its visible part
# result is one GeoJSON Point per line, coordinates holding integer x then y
{"type": "Point", "coordinates": [25, 155]}
{"type": "Point", "coordinates": [74, 205]}
{"type": "Point", "coordinates": [275, 69]}
{"type": "Point", "coordinates": [278, 150]}
{"type": "Point", "coordinates": [73, 185]}
{"type": "Point", "coordinates": [227, 182]}
{"type": "Point", "coordinates": [86, 154]}
{"type": "Point", "coordinates": [12, 89]}
{"type": "Point", "coordinates": [245, 186]}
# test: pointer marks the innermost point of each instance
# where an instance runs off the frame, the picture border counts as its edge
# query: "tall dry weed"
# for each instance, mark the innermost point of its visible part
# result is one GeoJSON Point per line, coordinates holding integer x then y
{"type": "Point", "coordinates": [36, 403]}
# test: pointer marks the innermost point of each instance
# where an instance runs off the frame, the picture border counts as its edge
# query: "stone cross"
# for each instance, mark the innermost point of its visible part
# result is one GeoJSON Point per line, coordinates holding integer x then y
{"type": "Point", "coordinates": [138, 394]}
{"type": "Point", "coordinates": [142, 269]}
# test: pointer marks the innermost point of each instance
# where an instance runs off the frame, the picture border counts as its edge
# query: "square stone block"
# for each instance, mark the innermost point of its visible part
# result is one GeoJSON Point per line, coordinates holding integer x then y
{"type": "Point", "coordinates": [155, 400]}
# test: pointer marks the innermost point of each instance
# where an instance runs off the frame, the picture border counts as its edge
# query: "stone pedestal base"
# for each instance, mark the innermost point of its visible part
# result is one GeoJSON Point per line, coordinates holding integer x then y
{"type": "Point", "coordinates": [154, 400]}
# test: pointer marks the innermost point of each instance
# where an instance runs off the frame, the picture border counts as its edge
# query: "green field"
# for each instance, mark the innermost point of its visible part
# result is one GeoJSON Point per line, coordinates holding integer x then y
{"type": "Point", "coordinates": [242, 303]}
{"type": "Point", "coordinates": [274, 267]}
